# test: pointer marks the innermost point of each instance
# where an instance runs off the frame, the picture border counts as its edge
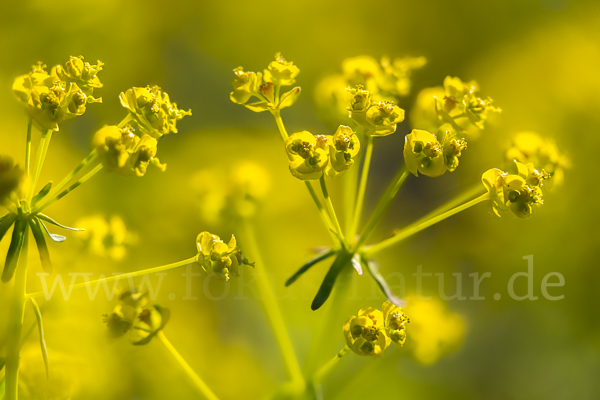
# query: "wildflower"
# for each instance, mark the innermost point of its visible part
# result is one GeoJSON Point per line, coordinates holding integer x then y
{"type": "Point", "coordinates": [12, 179]}
{"type": "Point", "coordinates": [394, 320]}
{"type": "Point", "coordinates": [343, 147]}
{"type": "Point", "coordinates": [423, 113]}
{"type": "Point", "coordinates": [125, 153]}
{"type": "Point", "coordinates": [308, 154]}
{"type": "Point", "coordinates": [365, 334]}
{"type": "Point", "coordinates": [515, 192]}
{"type": "Point", "coordinates": [152, 111]}
{"type": "Point", "coordinates": [452, 146]}
{"type": "Point", "coordinates": [395, 78]}
{"type": "Point", "coordinates": [281, 72]}
{"type": "Point", "coordinates": [460, 103]}
{"type": "Point", "coordinates": [80, 72]}
{"type": "Point", "coordinates": [219, 258]}
{"type": "Point", "coordinates": [106, 237]}
{"type": "Point", "coordinates": [362, 70]}
{"type": "Point", "coordinates": [423, 153]}
{"type": "Point", "coordinates": [383, 117]}
{"type": "Point", "coordinates": [529, 147]}
{"type": "Point", "coordinates": [245, 85]}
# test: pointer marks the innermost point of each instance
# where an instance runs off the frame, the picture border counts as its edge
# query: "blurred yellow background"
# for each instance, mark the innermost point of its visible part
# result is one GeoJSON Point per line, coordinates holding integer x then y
{"type": "Point", "coordinates": [539, 60]}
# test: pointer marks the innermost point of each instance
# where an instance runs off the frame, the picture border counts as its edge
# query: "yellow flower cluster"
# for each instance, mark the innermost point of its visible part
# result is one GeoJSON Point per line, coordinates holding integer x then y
{"type": "Point", "coordinates": [433, 155]}
{"type": "Point", "coordinates": [106, 237]}
{"type": "Point", "coordinates": [152, 111]}
{"type": "Point", "coordinates": [12, 178]}
{"type": "Point", "coordinates": [55, 97]}
{"type": "Point", "coordinates": [250, 84]}
{"type": "Point", "coordinates": [378, 119]}
{"type": "Point", "coordinates": [125, 153]}
{"type": "Point", "coordinates": [515, 192]}
{"type": "Point", "coordinates": [372, 331]}
{"type": "Point", "coordinates": [133, 314]}
{"type": "Point", "coordinates": [310, 156]}
{"type": "Point", "coordinates": [217, 258]}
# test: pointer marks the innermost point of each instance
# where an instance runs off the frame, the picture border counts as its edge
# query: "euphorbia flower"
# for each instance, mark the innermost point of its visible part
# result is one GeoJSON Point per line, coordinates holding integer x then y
{"type": "Point", "coordinates": [343, 147]}
{"type": "Point", "coordinates": [218, 258]}
{"type": "Point", "coordinates": [365, 334]}
{"type": "Point", "coordinates": [394, 320]}
{"type": "Point", "coordinates": [308, 154]}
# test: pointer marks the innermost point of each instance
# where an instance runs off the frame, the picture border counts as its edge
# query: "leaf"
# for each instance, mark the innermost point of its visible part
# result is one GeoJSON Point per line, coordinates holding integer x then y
{"type": "Point", "coordinates": [53, 236]}
{"type": "Point", "coordinates": [40, 241]}
{"type": "Point", "coordinates": [41, 194]}
{"type": "Point", "coordinates": [53, 222]}
{"type": "Point", "coordinates": [5, 224]}
{"type": "Point", "coordinates": [326, 287]}
{"type": "Point", "coordinates": [14, 250]}
{"type": "Point", "coordinates": [259, 106]}
{"type": "Point", "coordinates": [38, 317]}
{"type": "Point", "coordinates": [382, 283]}
{"type": "Point", "coordinates": [289, 98]}
{"type": "Point", "coordinates": [313, 261]}
{"type": "Point", "coordinates": [356, 264]}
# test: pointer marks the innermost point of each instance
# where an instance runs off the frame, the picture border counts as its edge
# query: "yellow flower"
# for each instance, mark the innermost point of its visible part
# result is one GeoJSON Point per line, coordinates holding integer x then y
{"type": "Point", "coordinates": [152, 111]}
{"type": "Point", "coordinates": [365, 334]}
{"type": "Point", "coordinates": [460, 105]}
{"type": "Point", "coordinates": [308, 154]}
{"type": "Point", "coordinates": [245, 85]}
{"type": "Point", "coordinates": [394, 320]}
{"type": "Point", "coordinates": [423, 113]}
{"type": "Point", "coordinates": [529, 147]}
{"type": "Point", "coordinates": [423, 153]}
{"type": "Point", "coordinates": [123, 152]}
{"type": "Point", "coordinates": [12, 179]}
{"type": "Point", "coordinates": [362, 70]}
{"type": "Point", "coordinates": [218, 258]}
{"type": "Point", "coordinates": [383, 117]}
{"type": "Point", "coordinates": [80, 72]}
{"type": "Point", "coordinates": [452, 146]}
{"type": "Point", "coordinates": [395, 78]}
{"type": "Point", "coordinates": [343, 147]}
{"type": "Point", "coordinates": [48, 100]}
{"type": "Point", "coordinates": [106, 237]}
{"type": "Point", "coordinates": [281, 72]}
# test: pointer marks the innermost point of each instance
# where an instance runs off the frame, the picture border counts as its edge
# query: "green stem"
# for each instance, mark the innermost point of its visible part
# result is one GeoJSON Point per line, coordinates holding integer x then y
{"type": "Point", "coordinates": [331, 211]}
{"type": "Point", "coordinates": [417, 227]}
{"type": "Point", "coordinates": [350, 187]}
{"type": "Point", "coordinates": [28, 147]}
{"type": "Point", "coordinates": [277, 115]}
{"type": "Point", "coordinates": [200, 384]}
{"type": "Point", "coordinates": [39, 161]}
{"type": "Point", "coordinates": [326, 369]}
{"type": "Point", "coordinates": [458, 200]}
{"type": "Point", "coordinates": [65, 192]}
{"type": "Point", "coordinates": [322, 213]}
{"type": "Point", "coordinates": [383, 204]}
{"type": "Point", "coordinates": [128, 275]}
{"type": "Point", "coordinates": [125, 120]}
{"type": "Point", "coordinates": [361, 189]}
{"type": "Point", "coordinates": [15, 324]}
{"type": "Point", "coordinates": [90, 158]}
{"type": "Point", "coordinates": [271, 307]}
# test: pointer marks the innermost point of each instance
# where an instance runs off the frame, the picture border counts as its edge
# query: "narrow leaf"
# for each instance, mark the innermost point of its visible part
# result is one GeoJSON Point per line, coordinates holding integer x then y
{"type": "Point", "coordinates": [38, 317]}
{"type": "Point", "coordinates": [258, 106]}
{"type": "Point", "coordinates": [6, 223]}
{"type": "Point", "coordinates": [38, 235]}
{"type": "Point", "coordinates": [53, 236]}
{"type": "Point", "coordinates": [14, 250]}
{"type": "Point", "coordinates": [313, 261]}
{"type": "Point", "coordinates": [41, 194]}
{"type": "Point", "coordinates": [356, 264]}
{"type": "Point", "coordinates": [327, 285]}
{"type": "Point", "coordinates": [289, 98]}
{"type": "Point", "coordinates": [53, 222]}
{"type": "Point", "coordinates": [382, 283]}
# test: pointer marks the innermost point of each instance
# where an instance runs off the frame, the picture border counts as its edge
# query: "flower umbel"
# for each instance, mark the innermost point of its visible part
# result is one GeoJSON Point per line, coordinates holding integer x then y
{"type": "Point", "coordinates": [308, 154]}
{"type": "Point", "coordinates": [365, 333]}
{"type": "Point", "coordinates": [216, 257]}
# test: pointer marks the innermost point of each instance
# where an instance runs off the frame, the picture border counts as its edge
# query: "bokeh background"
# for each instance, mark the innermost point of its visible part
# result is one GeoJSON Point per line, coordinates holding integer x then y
{"type": "Point", "coordinates": [538, 59]}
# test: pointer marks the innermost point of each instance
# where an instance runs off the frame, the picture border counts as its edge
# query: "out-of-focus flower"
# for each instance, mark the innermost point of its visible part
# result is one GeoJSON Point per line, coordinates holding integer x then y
{"type": "Point", "coordinates": [125, 153]}
{"type": "Point", "coordinates": [434, 331]}
{"type": "Point", "coordinates": [332, 97]}
{"type": "Point", "coordinates": [236, 193]}
{"type": "Point", "coordinates": [461, 106]}
{"type": "Point", "coordinates": [79, 72]}
{"type": "Point", "coordinates": [281, 72]}
{"type": "Point", "coordinates": [394, 320]}
{"type": "Point", "coordinates": [423, 113]}
{"type": "Point", "coordinates": [106, 237]}
{"type": "Point", "coordinates": [133, 314]}
{"type": "Point", "coordinates": [515, 192]}
{"type": "Point", "coordinates": [529, 147]}
{"type": "Point", "coordinates": [218, 258]}
{"type": "Point", "coordinates": [395, 78]}
{"type": "Point", "coordinates": [343, 147]}
{"type": "Point", "coordinates": [362, 70]}
{"type": "Point", "coordinates": [308, 154]}
{"type": "Point", "coordinates": [365, 333]}
{"type": "Point", "coordinates": [50, 101]}
{"type": "Point", "coordinates": [151, 110]}
{"type": "Point", "coordinates": [12, 179]}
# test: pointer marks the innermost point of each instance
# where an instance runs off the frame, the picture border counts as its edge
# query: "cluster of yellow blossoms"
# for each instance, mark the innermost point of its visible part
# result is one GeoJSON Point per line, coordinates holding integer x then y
{"type": "Point", "coordinates": [372, 331]}
{"type": "Point", "coordinates": [217, 258]}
